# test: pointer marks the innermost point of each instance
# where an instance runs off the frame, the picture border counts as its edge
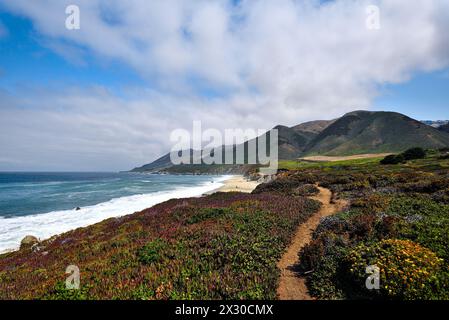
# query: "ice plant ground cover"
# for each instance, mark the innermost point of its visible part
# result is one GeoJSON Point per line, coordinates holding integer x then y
{"type": "Point", "coordinates": [226, 246]}
{"type": "Point", "coordinates": [398, 220]}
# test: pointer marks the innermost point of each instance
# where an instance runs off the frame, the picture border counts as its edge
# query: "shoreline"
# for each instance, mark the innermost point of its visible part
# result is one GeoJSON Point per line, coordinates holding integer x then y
{"type": "Point", "coordinates": [235, 183]}
{"type": "Point", "coordinates": [53, 219]}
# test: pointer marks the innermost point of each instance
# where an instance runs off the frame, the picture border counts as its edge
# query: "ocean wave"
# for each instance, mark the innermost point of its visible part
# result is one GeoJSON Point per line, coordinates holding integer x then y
{"type": "Point", "coordinates": [45, 225]}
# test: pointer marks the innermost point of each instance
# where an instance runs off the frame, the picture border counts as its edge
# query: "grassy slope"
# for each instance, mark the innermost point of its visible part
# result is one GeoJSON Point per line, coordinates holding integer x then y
{"type": "Point", "coordinates": [375, 132]}
{"type": "Point", "coordinates": [223, 246]}
{"type": "Point", "coordinates": [389, 204]}
{"type": "Point", "coordinates": [298, 164]}
{"type": "Point", "coordinates": [226, 245]}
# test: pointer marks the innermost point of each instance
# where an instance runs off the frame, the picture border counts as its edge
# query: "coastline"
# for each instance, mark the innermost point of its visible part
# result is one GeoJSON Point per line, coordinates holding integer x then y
{"type": "Point", "coordinates": [237, 183]}
{"type": "Point", "coordinates": [59, 222]}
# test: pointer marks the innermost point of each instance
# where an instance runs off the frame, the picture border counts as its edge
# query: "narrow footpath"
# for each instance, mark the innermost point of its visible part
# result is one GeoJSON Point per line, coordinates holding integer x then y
{"type": "Point", "coordinates": [292, 286]}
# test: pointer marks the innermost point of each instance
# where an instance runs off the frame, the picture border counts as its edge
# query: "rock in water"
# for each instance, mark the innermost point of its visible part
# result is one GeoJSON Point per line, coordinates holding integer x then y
{"type": "Point", "coordinates": [28, 242]}
{"type": "Point", "coordinates": [77, 208]}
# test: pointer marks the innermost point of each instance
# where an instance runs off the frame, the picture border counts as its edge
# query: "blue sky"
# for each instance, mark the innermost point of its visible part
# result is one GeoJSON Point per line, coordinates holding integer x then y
{"type": "Point", "coordinates": [111, 92]}
{"type": "Point", "coordinates": [26, 61]}
{"type": "Point", "coordinates": [425, 96]}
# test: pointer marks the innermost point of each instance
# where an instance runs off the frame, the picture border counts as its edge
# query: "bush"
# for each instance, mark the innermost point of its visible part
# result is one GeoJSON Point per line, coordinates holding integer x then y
{"type": "Point", "coordinates": [374, 203]}
{"type": "Point", "coordinates": [306, 190]}
{"type": "Point", "coordinates": [327, 282]}
{"type": "Point", "coordinates": [393, 159]}
{"type": "Point", "coordinates": [321, 260]}
{"type": "Point", "coordinates": [414, 153]}
{"type": "Point", "coordinates": [407, 270]}
{"type": "Point", "coordinates": [151, 252]}
{"type": "Point", "coordinates": [207, 213]}
{"type": "Point", "coordinates": [60, 292]}
{"type": "Point", "coordinates": [311, 255]}
{"type": "Point", "coordinates": [410, 154]}
{"type": "Point", "coordinates": [426, 186]}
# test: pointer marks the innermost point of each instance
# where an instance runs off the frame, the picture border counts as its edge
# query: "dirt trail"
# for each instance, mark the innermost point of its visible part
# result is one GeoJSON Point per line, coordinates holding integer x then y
{"type": "Point", "coordinates": [292, 286]}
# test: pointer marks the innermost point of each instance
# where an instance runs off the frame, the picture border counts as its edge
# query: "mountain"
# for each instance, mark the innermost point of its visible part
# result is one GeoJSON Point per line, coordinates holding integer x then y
{"type": "Point", "coordinates": [165, 165]}
{"type": "Point", "coordinates": [435, 123]}
{"type": "Point", "coordinates": [291, 142]}
{"type": "Point", "coordinates": [313, 128]}
{"type": "Point", "coordinates": [444, 128]}
{"type": "Point", "coordinates": [159, 164]}
{"type": "Point", "coordinates": [294, 141]}
{"type": "Point", "coordinates": [164, 162]}
{"type": "Point", "coordinates": [356, 132]}
{"type": "Point", "coordinates": [375, 132]}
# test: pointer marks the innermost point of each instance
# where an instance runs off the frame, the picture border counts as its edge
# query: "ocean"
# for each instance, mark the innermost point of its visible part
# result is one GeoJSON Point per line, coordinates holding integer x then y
{"type": "Point", "coordinates": [45, 204]}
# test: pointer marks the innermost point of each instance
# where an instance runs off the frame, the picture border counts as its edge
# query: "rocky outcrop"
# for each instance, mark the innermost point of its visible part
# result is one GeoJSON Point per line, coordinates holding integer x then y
{"type": "Point", "coordinates": [28, 242]}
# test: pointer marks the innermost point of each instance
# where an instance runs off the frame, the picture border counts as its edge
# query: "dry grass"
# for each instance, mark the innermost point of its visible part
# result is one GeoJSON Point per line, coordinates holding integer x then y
{"type": "Point", "coordinates": [344, 158]}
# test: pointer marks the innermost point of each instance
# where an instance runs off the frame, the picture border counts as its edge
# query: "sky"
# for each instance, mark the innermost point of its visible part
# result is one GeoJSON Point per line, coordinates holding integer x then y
{"type": "Point", "coordinates": [106, 97]}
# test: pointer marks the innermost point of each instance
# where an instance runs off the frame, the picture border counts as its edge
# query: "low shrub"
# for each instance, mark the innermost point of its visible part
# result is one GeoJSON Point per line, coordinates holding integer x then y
{"type": "Point", "coordinates": [374, 203]}
{"type": "Point", "coordinates": [426, 186]}
{"type": "Point", "coordinates": [328, 280]}
{"type": "Point", "coordinates": [311, 255]}
{"type": "Point", "coordinates": [414, 153]}
{"type": "Point", "coordinates": [410, 154]}
{"type": "Point", "coordinates": [207, 213]}
{"type": "Point", "coordinates": [152, 251]}
{"type": "Point", "coordinates": [363, 226]}
{"type": "Point", "coordinates": [334, 224]}
{"type": "Point", "coordinates": [407, 270]}
{"type": "Point", "coordinates": [61, 292]}
{"type": "Point", "coordinates": [393, 159]}
{"type": "Point", "coordinates": [306, 190]}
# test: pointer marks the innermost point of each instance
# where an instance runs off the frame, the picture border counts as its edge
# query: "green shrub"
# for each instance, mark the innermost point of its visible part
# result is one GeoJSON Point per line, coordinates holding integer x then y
{"type": "Point", "coordinates": [374, 203]}
{"type": "Point", "coordinates": [152, 251]}
{"type": "Point", "coordinates": [414, 153]}
{"type": "Point", "coordinates": [427, 222]}
{"type": "Point", "coordinates": [60, 292]}
{"type": "Point", "coordinates": [311, 255]}
{"type": "Point", "coordinates": [207, 213]}
{"type": "Point", "coordinates": [393, 159]}
{"type": "Point", "coordinates": [407, 270]}
{"type": "Point", "coordinates": [306, 190]}
{"type": "Point", "coordinates": [328, 281]}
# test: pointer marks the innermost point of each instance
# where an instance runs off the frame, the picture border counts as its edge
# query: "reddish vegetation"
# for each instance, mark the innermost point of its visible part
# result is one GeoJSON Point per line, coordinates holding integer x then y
{"type": "Point", "coordinates": [221, 246]}
{"type": "Point", "coordinates": [228, 245]}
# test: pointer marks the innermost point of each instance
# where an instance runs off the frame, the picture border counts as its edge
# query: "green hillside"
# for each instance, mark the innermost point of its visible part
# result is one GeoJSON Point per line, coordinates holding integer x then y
{"type": "Point", "coordinates": [375, 132]}
{"type": "Point", "coordinates": [444, 128]}
{"type": "Point", "coordinates": [356, 132]}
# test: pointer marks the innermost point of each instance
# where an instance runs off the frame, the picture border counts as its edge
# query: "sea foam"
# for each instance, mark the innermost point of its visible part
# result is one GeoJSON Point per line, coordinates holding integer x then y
{"type": "Point", "coordinates": [45, 225]}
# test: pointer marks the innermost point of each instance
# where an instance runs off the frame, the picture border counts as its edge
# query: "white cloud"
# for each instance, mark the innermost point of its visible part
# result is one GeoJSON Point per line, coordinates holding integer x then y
{"type": "Point", "coordinates": [93, 129]}
{"type": "Point", "coordinates": [280, 61]}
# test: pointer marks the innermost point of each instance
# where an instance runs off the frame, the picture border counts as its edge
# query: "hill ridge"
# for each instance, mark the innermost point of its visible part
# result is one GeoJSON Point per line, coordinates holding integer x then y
{"type": "Point", "coordinates": [356, 132]}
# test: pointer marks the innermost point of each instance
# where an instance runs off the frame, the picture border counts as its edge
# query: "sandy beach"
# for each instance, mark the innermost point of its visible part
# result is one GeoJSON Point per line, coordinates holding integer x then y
{"type": "Point", "coordinates": [236, 184]}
